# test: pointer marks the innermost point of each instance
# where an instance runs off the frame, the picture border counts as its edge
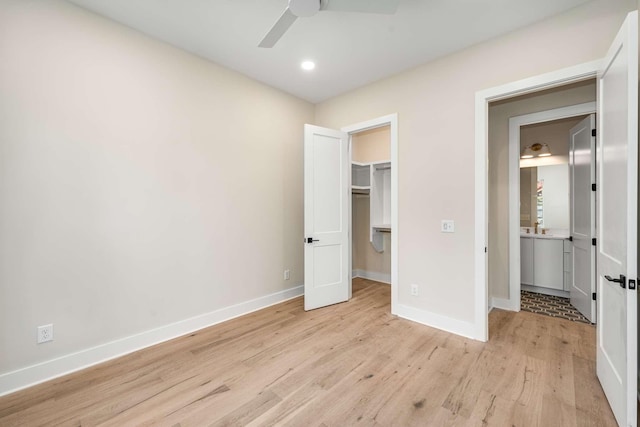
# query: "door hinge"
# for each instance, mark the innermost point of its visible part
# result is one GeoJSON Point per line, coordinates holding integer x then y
{"type": "Point", "coordinates": [593, 296]}
{"type": "Point", "coordinates": [632, 285]}
{"type": "Point", "coordinates": [593, 241]}
{"type": "Point", "coordinates": [593, 187]}
{"type": "Point", "coordinates": [571, 238]}
{"type": "Point", "coordinates": [593, 132]}
{"type": "Point", "coordinates": [485, 249]}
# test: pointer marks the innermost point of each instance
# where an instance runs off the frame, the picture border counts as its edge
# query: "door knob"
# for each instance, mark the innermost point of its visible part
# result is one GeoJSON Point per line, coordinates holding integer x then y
{"type": "Point", "coordinates": [311, 240]}
{"type": "Point", "coordinates": [622, 280]}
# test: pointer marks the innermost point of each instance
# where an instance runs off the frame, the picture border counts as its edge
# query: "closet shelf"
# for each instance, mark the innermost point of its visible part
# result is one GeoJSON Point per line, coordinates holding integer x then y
{"type": "Point", "coordinates": [374, 179]}
{"type": "Point", "coordinates": [360, 189]}
{"type": "Point", "coordinates": [382, 226]}
{"type": "Point", "coordinates": [385, 165]}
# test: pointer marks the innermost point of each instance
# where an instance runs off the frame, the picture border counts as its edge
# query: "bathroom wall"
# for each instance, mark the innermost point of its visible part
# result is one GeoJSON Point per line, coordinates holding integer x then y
{"type": "Point", "coordinates": [555, 134]}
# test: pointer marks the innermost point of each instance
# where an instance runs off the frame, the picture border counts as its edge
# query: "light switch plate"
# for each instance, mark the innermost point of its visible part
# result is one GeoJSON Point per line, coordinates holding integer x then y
{"type": "Point", "coordinates": [448, 226]}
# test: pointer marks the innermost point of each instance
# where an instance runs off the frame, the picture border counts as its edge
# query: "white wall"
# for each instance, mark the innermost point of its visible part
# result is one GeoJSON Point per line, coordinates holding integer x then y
{"type": "Point", "coordinates": [139, 185]}
{"type": "Point", "coordinates": [435, 106]}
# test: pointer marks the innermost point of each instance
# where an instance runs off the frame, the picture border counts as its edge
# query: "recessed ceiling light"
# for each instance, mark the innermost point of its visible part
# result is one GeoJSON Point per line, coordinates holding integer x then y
{"type": "Point", "coordinates": [308, 65]}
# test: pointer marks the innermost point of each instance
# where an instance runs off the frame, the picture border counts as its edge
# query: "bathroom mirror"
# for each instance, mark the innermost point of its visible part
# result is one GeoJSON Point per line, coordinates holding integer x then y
{"type": "Point", "coordinates": [544, 196]}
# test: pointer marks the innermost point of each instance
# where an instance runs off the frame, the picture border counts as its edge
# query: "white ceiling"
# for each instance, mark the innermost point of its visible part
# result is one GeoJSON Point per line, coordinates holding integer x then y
{"type": "Point", "coordinates": [350, 49]}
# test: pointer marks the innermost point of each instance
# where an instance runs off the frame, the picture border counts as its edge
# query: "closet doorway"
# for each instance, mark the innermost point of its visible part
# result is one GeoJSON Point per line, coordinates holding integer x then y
{"type": "Point", "coordinates": [371, 204]}
{"type": "Point", "coordinates": [328, 208]}
{"type": "Point", "coordinates": [373, 153]}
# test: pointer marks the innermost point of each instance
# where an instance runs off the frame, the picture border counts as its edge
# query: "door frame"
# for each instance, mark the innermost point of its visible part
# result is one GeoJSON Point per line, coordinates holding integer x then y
{"type": "Point", "coordinates": [538, 83]}
{"type": "Point", "coordinates": [515, 123]}
{"type": "Point", "coordinates": [390, 120]}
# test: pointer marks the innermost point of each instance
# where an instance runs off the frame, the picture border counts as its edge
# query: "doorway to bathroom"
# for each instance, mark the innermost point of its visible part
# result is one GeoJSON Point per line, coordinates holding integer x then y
{"type": "Point", "coordinates": [516, 125]}
{"type": "Point", "coordinates": [552, 165]}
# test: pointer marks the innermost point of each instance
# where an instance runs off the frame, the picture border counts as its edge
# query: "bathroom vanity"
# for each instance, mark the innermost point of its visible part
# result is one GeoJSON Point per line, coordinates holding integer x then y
{"type": "Point", "coordinates": [545, 263]}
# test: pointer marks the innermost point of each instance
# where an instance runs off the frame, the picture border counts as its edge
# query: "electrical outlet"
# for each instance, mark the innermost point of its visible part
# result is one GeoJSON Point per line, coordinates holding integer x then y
{"type": "Point", "coordinates": [414, 290]}
{"type": "Point", "coordinates": [287, 274]}
{"type": "Point", "coordinates": [45, 333]}
{"type": "Point", "coordinates": [448, 226]}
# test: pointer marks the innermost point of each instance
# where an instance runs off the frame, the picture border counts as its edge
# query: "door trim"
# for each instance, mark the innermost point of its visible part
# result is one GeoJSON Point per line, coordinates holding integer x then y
{"type": "Point", "coordinates": [513, 303]}
{"type": "Point", "coordinates": [390, 120]}
{"type": "Point", "coordinates": [550, 80]}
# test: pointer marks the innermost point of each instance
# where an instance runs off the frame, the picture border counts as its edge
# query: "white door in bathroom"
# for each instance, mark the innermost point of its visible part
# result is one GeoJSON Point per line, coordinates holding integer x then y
{"type": "Point", "coordinates": [582, 173]}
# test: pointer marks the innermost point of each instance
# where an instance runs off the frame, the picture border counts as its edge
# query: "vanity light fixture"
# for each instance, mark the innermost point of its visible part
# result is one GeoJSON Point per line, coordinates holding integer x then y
{"type": "Point", "coordinates": [535, 150]}
{"type": "Point", "coordinates": [544, 151]}
{"type": "Point", "coordinates": [527, 153]}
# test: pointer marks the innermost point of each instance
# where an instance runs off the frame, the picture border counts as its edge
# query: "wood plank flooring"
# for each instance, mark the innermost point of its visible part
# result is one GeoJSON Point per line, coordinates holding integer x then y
{"type": "Point", "coordinates": [348, 364]}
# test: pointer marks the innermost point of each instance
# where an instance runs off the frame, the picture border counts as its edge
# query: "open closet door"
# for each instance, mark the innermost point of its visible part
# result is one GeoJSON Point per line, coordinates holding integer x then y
{"type": "Point", "coordinates": [617, 166]}
{"type": "Point", "coordinates": [582, 170]}
{"type": "Point", "coordinates": [326, 217]}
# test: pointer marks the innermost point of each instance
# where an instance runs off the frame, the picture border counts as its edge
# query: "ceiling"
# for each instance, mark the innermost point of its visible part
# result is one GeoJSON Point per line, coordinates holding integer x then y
{"type": "Point", "coordinates": [350, 49]}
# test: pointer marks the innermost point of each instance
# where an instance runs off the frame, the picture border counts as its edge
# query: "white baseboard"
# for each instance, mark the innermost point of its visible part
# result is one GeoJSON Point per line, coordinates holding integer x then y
{"type": "Point", "coordinates": [438, 321]}
{"type": "Point", "coordinates": [45, 371]}
{"type": "Point", "coordinates": [372, 275]}
{"type": "Point", "coordinates": [504, 304]}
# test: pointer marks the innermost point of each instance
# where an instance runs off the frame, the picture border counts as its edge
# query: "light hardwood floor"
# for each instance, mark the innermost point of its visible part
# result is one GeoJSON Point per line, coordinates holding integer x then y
{"type": "Point", "coordinates": [348, 364]}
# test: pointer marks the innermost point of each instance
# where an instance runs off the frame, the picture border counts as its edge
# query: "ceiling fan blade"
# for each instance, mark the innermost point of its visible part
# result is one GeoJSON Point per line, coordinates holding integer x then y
{"type": "Point", "coordinates": [387, 7]}
{"type": "Point", "coordinates": [279, 28]}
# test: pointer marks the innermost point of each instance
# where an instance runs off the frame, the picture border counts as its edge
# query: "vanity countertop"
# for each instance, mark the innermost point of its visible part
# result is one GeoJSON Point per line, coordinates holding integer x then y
{"type": "Point", "coordinates": [545, 236]}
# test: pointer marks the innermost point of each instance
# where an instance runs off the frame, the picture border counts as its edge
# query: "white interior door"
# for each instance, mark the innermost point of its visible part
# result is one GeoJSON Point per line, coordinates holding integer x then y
{"type": "Point", "coordinates": [617, 223]}
{"type": "Point", "coordinates": [582, 172]}
{"type": "Point", "coordinates": [326, 217]}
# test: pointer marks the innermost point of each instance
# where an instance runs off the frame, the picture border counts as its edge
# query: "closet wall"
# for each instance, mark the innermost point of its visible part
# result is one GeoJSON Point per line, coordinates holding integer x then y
{"type": "Point", "coordinates": [369, 146]}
